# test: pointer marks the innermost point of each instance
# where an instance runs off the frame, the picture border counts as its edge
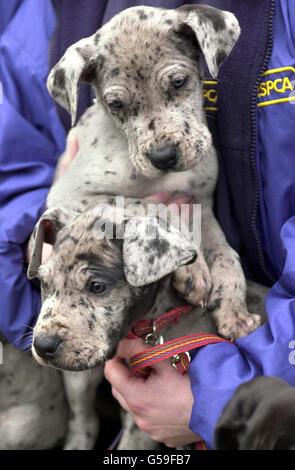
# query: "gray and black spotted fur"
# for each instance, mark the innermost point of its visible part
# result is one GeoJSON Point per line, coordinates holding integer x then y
{"type": "Point", "coordinates": [89, 324]}
{"type": "Point", "coordinates": [134, 63]}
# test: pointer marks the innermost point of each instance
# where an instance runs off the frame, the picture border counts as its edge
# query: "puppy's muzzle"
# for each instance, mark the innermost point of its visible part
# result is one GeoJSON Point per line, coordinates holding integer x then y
{"type": "Point", "coordinates": [46, 346]}
{"type": "Point", "coordinates": [164, 158]}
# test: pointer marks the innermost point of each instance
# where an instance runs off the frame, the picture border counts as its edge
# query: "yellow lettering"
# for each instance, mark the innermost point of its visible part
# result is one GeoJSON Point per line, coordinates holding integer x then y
{"type": "Point", "coordinates": [265, 87]}
{"type": "Point", "coordinates": [269, 86]}
{"type": "Point", "coordinates": [262, 89]}
{"type": "Point", "coordinates": [283, 85]}
{"type": "Point", "coordinates": [210, 95]}
{"type": "Point", "coordinates": [287, 84]}
{"type": "Point", "coordinates": [278, 90]}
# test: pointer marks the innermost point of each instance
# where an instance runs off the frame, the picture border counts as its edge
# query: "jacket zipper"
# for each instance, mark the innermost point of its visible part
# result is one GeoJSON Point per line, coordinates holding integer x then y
{"type": "Point", "coordinates": [253, 146]}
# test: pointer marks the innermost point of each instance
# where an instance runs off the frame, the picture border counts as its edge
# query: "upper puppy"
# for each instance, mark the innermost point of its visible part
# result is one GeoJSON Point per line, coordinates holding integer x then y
{"type": "Point", "coordinates": [146, 66]}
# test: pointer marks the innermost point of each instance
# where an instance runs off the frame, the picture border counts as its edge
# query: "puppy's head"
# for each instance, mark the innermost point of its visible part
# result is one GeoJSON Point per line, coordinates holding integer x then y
{"type": "Point", "coordinates": [146, 66]}
{"type": "Point", "coordinates": [95, 287]}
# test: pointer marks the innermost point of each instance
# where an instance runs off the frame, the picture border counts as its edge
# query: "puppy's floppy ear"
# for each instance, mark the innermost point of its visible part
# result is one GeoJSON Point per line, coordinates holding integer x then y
{"type": "Point", "coordinates": [80, 63]}
{"type": "Point", "coordinates": [215, 30]}
{"type": "Point", "coordinates": [45, 232]}
{"type": "Point", "coordinates": [152, 249]}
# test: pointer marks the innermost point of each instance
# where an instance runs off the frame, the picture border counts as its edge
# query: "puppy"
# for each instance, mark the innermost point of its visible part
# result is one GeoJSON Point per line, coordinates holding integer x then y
{"type": "Point", "coordinates": [148, 132]}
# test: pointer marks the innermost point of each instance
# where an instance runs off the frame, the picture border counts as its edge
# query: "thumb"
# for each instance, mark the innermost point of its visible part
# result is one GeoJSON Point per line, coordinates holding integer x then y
{"type": "Point", "coordinates": [129, 347]}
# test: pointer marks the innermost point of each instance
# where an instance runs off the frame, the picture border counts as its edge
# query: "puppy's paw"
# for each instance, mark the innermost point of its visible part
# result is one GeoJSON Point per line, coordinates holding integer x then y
{"type": "Point", "coordinates": [193, 282]}
{"type": "Point", "coordinates": [233, 323]}
{"type": "Point", "coordinates": [82, 434]}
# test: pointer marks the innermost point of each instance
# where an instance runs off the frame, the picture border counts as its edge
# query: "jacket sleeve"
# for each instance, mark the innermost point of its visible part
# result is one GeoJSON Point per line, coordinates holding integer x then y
{"type": "Point", "coordinates": [31, 140]}
{"type": "Point", "coordinates": [217, 370]}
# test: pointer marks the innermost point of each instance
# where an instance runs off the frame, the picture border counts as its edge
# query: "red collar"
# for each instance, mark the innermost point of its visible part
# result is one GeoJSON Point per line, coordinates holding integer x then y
{"type": "Point", "coordinates": [144, 327]}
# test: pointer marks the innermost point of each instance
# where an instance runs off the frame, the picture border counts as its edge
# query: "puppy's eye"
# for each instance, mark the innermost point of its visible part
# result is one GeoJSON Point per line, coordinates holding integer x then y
{"type": "Point", "coordinates": [179, 82]}
{"type": "Point", "coordinates": [116, 105]}
{"type": "Point", "coordinates": [98, 288]}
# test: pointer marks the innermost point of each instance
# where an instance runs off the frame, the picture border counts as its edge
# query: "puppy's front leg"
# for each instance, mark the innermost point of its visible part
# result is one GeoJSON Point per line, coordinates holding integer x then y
{"type": "Point", "coordinates": [193, 281]}
{"type": "Point", "coordinates": [227, 300]}
{"type": "Point", "coordinates": [83, 422]}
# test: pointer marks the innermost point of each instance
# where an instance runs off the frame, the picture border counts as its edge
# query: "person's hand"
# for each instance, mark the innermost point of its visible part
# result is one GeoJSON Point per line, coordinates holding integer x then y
{"type": "Point", "coordinates": [63, 164]}
{"type": "Point", "coordinates": [161, 404]}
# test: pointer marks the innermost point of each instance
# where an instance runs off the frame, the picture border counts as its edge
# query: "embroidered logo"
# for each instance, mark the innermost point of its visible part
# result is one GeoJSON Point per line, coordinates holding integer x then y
{"type": "Point", "coordinates": [278, 86]}
{"type": "Point", "coordinates": [210, 95]}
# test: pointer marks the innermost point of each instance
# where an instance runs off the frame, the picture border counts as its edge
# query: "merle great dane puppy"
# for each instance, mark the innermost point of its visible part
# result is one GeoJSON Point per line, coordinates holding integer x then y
{"type": "Point", "coordinates": [95, 288]}
{"type": "Point", "coordinates": [148, 133]}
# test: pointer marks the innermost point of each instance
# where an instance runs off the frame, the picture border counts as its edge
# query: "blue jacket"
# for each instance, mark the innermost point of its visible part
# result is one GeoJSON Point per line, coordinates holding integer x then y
{"type": "Point", "coordinates": [31, 139]}
{"type": "Point", "coordinates": [254, 196]}
{"type": "Point", "coordinates": [257, 175]}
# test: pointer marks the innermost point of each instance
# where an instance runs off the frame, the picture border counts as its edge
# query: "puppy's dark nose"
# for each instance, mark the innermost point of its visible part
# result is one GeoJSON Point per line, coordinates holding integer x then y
{"type": "Point", "coordinates": [46, 346]}
{"type": "Point", "coordinates": [164, 158]}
